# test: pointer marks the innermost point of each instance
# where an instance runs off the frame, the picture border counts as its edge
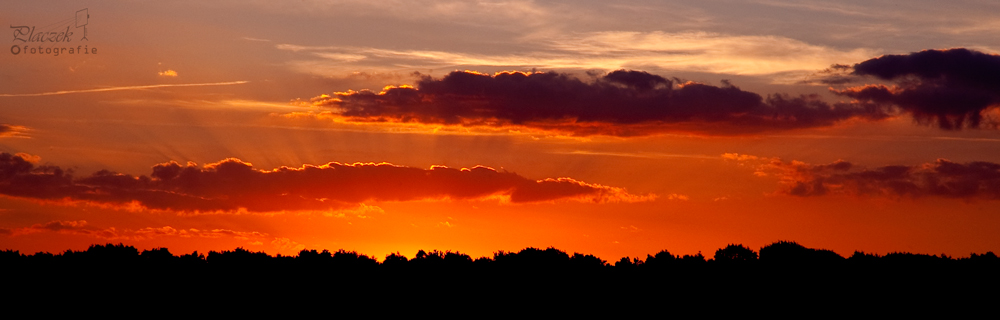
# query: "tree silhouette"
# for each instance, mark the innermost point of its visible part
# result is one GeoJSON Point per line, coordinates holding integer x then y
{"type": "Point", "coordinates": [791, 253]}
{"type": "Point", "coordinates": [395, 259]}
{"type": "Point", "coordinates": [735, 253]}
{"type": "Point", "coordinates": [662, 259]}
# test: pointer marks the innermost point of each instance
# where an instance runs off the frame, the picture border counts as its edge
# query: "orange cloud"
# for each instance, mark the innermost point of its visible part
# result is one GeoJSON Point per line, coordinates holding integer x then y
{"type": "Point", "coordinates": [287, 244]}
{"type": "Point", "coordinates": [739, 157]}
{"type": "Point", "coordinates": [8, 130]}
{"type": "Point", "coordinates": [233, 184]}
{"type": "Point", "coordinates": [168, 73]}
{"type": "Point", "coordinates": [149, 232]}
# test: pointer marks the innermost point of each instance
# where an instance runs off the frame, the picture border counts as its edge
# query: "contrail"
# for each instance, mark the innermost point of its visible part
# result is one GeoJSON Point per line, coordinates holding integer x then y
{"type": "Point", "coordinates": [120, 88]}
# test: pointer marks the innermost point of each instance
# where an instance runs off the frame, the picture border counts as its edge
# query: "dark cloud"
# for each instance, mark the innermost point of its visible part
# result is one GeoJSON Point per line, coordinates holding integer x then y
{"type": "Point", "coordinates": [233, 184]}
{"type": "Point", "coordinates": [61, 225]}
{"type": "Point", "coordinates": [620, 103]}
{"type": "Point", "coordinates": [942, 178]}
{"type": "Point", "coordinates": [953, 88]}
{"type": "Point", "coordinates": [837, 80]}
{"type": "Point", "coordinates": [67, 227]}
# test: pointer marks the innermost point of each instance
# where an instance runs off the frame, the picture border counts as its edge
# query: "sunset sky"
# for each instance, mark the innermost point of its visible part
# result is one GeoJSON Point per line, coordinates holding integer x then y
{"type": "Point", "coordinates": [609, 128]}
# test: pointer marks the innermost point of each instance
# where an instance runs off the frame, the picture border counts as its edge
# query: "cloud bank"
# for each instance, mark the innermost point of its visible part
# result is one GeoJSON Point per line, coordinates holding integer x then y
{"type": "Point", "coordinates": [620, 103]}
{"type": "Point", "coordinates": [236, 185]}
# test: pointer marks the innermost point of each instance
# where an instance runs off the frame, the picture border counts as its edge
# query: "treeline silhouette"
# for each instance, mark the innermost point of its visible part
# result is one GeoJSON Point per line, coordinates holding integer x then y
{"type": "Point", "coordinates": [733, 272]}
{"type": "Point", "coordinates": [780, 254]}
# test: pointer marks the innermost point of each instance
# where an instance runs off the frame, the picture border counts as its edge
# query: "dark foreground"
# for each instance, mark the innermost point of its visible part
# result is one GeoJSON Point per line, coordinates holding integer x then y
{"type": "Point", "coordinates": [781, 274]}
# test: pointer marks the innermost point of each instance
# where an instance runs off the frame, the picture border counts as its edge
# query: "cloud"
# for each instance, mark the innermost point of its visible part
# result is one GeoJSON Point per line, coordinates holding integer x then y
{"type": "Point", "coordinates": [28, 157]}
{"type": "Point", "coordinates": [513, 14]}
{"type": "Point", "coordinates": [8, 130]}
{"type": "Point", "coordinates": [80, 227]}
{"type": "Point", "coordinates": [255, 39]}
{"type": "Point", "coordinates": [703, 52]}
{"type": "Point", "coordinates": [606, 50]}
{"type": "Point", "coordinates": [674, 196]}
{"type": "Point", "coordinates": [233, 184]}
{"type": "Point", "coordinates": [167, 231]}
{"type": "Point", "coordinates": [646, 155]}
{"type": "Point", "coordinates": [739, 157]}
{"type": "Point", "coordinates": [942, 178]}
{"type": "Point", "coordinates": [287, 244]}
{"type": "Point", "coordinates": [446, 224]}
{"type": "Point", "coordinates": [954, 88]}
{"type": "Point", "coordinates": [620, 103]}
{"type": "Point", "coordinates": [61, 225]}
{"type": "Point", "coordinates": [361, 211]}
{"type": "Point", "coordinates": [168, 73]}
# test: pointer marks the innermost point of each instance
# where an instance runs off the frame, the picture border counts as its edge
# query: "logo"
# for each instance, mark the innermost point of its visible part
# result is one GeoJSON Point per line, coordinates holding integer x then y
{"type": "Point", "coordinates": [53, 39]}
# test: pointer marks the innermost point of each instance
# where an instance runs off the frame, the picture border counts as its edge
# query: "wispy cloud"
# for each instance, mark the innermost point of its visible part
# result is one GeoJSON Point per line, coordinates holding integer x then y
{"type": "Point", "coordinates": [610, 50]}
{"type": "Point", "coordinates": [967, 139]}
{"type": "Point", "coordinates": [81, 227]}
{"type": "Point", "coordinates": [511, 14]}
{"type": "Point", "coordinates": [255, 39]}
{"type": "Point", "coordinates": [646, 155]}
{"type": "Point", "coordinates": [822, 6]}
{"type": "Point", "coordinates": [13, 131]}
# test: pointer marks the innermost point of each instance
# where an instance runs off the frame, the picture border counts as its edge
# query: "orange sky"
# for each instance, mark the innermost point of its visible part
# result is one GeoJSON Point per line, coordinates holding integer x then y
{"type": "Point", "coordinates": [702, 145]}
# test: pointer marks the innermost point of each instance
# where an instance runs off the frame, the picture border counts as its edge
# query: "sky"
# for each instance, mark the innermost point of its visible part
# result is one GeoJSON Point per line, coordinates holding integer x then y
{"type": "Point", "coordinates": [609, 128]}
